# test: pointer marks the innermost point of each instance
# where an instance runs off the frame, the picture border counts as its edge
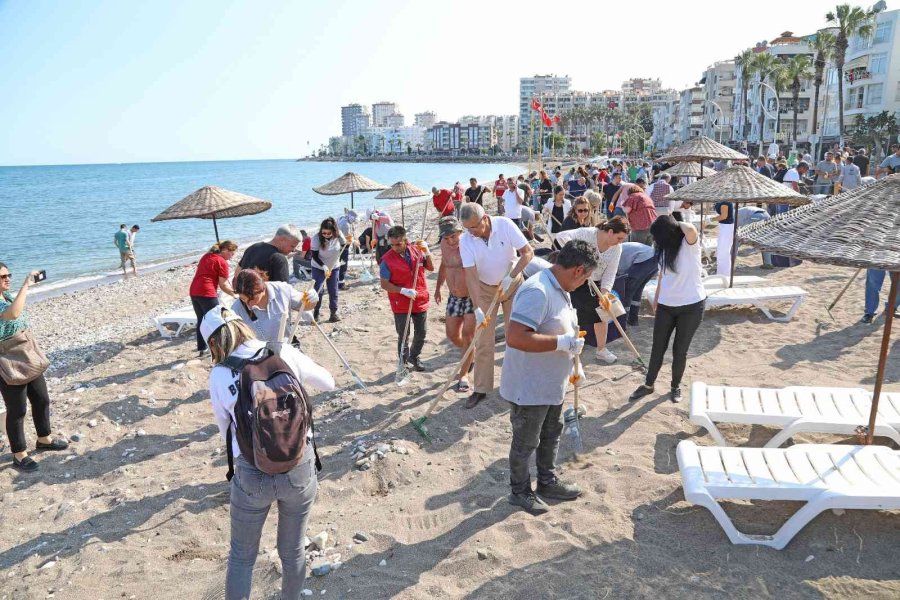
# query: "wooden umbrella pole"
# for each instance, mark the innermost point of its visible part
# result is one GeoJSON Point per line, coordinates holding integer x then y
{"type": "Point", "coordinates": [882, 357]}
{"type": "Point", "coordinates": [351, 201]}
{"type": "Point", "coordinates": [843, 291]}
{"type": "Point", "coordinates": [402, 214]}
{"type": "Point", "coordinates": [216, 227]}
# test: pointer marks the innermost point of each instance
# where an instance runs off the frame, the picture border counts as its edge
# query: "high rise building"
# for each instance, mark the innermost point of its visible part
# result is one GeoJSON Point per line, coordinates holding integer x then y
{"type": "Point", "coordinates": [394, 120]}
{"type": "Point", "coordinates": [425, 119]}
{"type": "Point", "coordinates": [718, 82]}
{"type": "Point", "coordinates": [531, 87]}
{"type": "Point", "coordinates": [354, 120]}
{"type": "Point", "coordinates": [381, 111]}
{"type": "Point", "coordinates": [640, 86]}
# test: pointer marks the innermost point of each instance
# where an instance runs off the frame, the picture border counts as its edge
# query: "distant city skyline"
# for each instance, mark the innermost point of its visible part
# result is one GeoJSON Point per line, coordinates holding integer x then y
{"type": "Point", "coordinates": [109, 81]}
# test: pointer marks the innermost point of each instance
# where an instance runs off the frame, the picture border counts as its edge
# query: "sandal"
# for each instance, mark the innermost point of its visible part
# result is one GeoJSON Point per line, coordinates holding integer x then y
{"type": "Point", "coordinates": [57, 444]}
{"type": "Point", "coordinates": [26, 465]}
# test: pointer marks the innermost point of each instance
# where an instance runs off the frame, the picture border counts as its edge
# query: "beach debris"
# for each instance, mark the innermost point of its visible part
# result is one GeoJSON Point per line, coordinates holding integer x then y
{"type": "Point", "coordinates": [322, 569]}
{"type": "Point", "coordinates": [177, 366]}
{"type": "Point", "coordinates": [320, 540]}
{"type": "Point", "coordinates": [360, 537]}
{"type": "Point", "coordinates": [92, 423]}
{"type": "Point", "coordinates": [307, 592]}
{"type": "Point", "coordinates": [482, 554]}
{"type": "Point", "coordinates": [76, 437]}
{"type": "Point", "coordinates": [383, 563]}
{"type": "Point", "coordinates": [48, 565]}
{"type": "Point", "coordinates": [810, 558]}
{"type": "Point", "coordinates": [140, 433]}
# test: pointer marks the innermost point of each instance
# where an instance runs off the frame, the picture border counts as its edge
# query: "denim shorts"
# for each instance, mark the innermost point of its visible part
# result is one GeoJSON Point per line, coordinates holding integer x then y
{"type": "Point", "coordinates": [459, 307]}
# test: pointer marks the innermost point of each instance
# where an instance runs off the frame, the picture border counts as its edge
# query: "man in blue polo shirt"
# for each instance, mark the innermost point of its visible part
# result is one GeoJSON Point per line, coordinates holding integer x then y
{"type": "Point", "coordinates": [542, 340]}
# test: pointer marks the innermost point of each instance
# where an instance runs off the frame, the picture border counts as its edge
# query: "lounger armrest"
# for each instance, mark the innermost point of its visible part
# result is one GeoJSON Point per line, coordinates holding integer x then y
{"type": "Point", "coordinates": [691, 470]}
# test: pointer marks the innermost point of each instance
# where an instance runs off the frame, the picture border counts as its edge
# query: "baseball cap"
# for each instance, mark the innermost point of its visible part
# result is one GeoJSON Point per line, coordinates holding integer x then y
{"type": "Point", "coordinates": [448, 226]}
{"type": "Point", "coordinates": [214, 319]}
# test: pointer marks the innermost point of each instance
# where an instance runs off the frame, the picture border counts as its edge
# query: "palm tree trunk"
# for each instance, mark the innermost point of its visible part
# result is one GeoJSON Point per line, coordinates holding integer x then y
{"type": "Point", "coordinates": [839, 63]}
{"type": "Point", "coordinates": [746, 108]}
{"type": "Point", "coordinates": [815, 119]}
{"type": "Point", "coordinates": [796, 106]}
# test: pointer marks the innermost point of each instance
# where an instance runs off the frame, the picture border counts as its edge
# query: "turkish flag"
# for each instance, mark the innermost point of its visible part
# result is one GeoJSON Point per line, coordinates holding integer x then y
{"type": "Point", "coordinates": [535, 105]}
{"type": "Point", "coordinates": [546, 119]}
{"type": "Point", "coordinates": [556, 119]}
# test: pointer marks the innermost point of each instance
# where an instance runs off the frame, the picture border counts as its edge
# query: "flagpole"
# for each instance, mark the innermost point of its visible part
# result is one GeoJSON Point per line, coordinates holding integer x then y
{"type": "Point", "coordinates": [541, 143]}
{"type": "Point", "coordinates": [530, 140]}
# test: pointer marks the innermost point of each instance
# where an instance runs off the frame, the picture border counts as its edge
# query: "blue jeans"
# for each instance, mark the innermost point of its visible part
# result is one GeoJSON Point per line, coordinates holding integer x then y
{"type": "Point", "coordinates": [252, 494]}
{"type": "Point", "coordinates": [874, 281]}
{"type": "Point", "coordinates": [331, 287]}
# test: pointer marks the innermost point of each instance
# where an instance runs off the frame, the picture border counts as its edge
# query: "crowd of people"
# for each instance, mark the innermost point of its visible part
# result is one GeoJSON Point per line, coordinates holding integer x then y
{"type": "Point", "coordinates": [609, 230]}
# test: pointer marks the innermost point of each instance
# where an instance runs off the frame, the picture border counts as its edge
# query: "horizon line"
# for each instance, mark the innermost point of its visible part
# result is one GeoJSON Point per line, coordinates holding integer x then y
{"type": "Point", "coordinates": [143, 162]}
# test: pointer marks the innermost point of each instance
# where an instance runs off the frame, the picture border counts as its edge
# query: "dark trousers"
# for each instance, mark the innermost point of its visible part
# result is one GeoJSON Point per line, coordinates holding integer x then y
{"type": "Point", "coordinates": [535, 430]}
{"type": "Point", "coordinates": [202, 305]}
{"type": "Point", "coordinates": [14, 396]}
{"type": "Point", "coordinates": [636, 278]}
{"type": "Point", "coordinates": [417, 325]}
{"type": "Point", "coordinates": [684, 321]}
{"type": "Point", "coordinates": [332, 288]}
{"type": "Point", "coordinates": [345, 256]}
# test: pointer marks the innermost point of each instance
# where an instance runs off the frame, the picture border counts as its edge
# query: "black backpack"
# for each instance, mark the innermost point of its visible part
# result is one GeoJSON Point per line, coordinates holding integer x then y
{"type": "Point", "coordinates": [272, 414]}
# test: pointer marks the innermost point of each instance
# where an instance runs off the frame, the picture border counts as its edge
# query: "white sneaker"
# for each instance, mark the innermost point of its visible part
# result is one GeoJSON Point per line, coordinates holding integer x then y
{"type": "Point", "coordinates": [606, 356]}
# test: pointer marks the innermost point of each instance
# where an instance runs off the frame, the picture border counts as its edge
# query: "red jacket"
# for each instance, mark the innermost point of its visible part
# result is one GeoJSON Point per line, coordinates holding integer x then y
{"type": "Point", "coordinates": [402, 274]}
{"type": "Point", "coordinates": [443, 203]}
{"type": "Point", "coordinates": [499, 187]}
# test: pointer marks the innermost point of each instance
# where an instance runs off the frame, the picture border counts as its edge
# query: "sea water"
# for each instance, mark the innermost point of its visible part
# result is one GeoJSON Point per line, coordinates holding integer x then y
{"type": "Point", "coordinates": [62, 218]}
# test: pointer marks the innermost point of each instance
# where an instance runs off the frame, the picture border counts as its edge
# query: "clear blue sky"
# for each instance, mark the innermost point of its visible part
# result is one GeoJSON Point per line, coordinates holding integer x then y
{"type": "Point", "coordinates": [126, 81]}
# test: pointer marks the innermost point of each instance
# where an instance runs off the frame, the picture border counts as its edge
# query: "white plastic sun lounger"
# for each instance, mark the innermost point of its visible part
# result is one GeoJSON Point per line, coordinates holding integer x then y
{"type": "Point", "coordinates": [760, 297]}
{"type": "Point", "coordinates": [181, 319]}
{"type": "Point", "coordinates": [793, 410]}
{"type": "Point", "coordinates": [822, 475]}
{"type": "Point", "coordinates": [711, 283]}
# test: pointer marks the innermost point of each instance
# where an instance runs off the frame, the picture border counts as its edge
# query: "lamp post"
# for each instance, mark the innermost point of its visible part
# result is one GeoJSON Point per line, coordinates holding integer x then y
{"type": "Point", "coordinates": [762, 105]}
{"type": "Point", "coordinates": [721, 112]}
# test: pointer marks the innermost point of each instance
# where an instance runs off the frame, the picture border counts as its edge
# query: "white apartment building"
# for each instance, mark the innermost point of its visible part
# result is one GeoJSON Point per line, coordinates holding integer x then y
{"type": "Point", "coordinates": [664, 123]}
{"type": "Point", "coordinates": [689, 119]}
{"type": "Point", "coordinates": [472, 137]}
{"type": "Point", "coordinates": [871, 77]}
{"type": "Point", "coordinates": [531, 87]}
{"type": "Point", "coordinates": [718, 82]}
{"type": "Point", "coordinates": [425, 119]}
{"type": "Point", "coordinates": [396, 140]}
{"type": "Point", "coordinates": [381, 111]}
{"type": "Point", "coordinates": [395, 120]}
{"type": "Point", "coordinates": [641, 86]}
{"type": "Point", "coordinates": [505, 128]}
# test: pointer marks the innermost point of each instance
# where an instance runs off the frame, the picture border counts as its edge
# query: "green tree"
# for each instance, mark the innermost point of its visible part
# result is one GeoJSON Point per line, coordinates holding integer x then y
{"type": "Point", "coordinates": [876, 131]}
{"type": "Point", "coordinates": [557, 140]}
{"type": "Point", "coordinates": [780, 81]}
{"type": "Point", "coordinates": [763, 64]}
{"type": "Point", "coordinates": [848, 21]}
{"type": "Point", "coordinates": [823, 46]}
{"type": "Point", "coordinates": [744, 60]}
{"type": "Point", "coordinates": [797, 70]}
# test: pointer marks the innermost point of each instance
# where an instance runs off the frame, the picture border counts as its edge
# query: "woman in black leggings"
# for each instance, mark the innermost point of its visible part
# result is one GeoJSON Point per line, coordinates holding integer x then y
{"type": "Point", "coordinates": [14, 321]}
{"type": "Point", "coordinates": [679, 302]}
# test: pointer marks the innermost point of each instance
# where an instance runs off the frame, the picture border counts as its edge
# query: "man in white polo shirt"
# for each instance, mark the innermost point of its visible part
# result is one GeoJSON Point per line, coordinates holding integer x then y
{"type": "Point", "coordinates": [513, 199]}
{"type": "Point", "coordinates": [542, 339]}
{"type": "Point", "coordinates": [488, 249]}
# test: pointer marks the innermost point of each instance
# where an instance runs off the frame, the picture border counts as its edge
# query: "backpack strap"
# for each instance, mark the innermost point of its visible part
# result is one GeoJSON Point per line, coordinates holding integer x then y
{"type": "Point", "coordinates": [228, 438]}
{"type": "Point", "coordinates": [312, 427]}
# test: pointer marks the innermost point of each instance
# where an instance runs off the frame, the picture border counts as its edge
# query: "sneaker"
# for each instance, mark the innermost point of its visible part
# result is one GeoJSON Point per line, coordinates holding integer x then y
{"type": "Point", "coordinates": [474, 399]}
{"type": "Point", "coordinates": [529, 501]}
{"type": "Point", "coordinates": [867, 319]}
{"type": "Point", "coordinates": [605, 356]}
{"type": "Point", "coordinates": [643, 390]}
{"type": "Point", "coordinates": [416, 365]}
{"type": "Point", "coordinates": [559, 490]}
{"type": "Point", "coordinates": [462, 386]}
{"type": "Point", "coordinates": [675, 395]}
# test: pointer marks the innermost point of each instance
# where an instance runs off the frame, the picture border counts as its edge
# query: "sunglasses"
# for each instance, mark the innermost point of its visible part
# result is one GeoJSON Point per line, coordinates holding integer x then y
{"type": "Point", "coordinates": [582, 210]}
{"type": "Point", "coordinates": [7, 276]}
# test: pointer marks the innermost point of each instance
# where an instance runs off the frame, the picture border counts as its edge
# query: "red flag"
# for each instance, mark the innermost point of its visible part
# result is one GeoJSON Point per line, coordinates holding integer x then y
{"type": "Point", "coordinates": [556, 119]}
{"type": "Point", "coordinates": [535, 105]}
{"type": "Point", "coordinates": [546, 119]}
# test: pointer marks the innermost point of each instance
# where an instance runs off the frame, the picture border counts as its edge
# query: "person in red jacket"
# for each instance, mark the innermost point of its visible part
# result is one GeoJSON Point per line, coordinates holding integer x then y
{"type": "Point", "coordinates": [443, 201]}
{"type": "Point", "coordinates": [397, 268]}
{"type": "Point", "coordinates": [499, 189]}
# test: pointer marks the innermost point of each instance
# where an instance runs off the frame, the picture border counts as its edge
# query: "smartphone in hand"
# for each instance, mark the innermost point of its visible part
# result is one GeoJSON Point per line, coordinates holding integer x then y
{"type": "Point", "coordinates": [41, 276]}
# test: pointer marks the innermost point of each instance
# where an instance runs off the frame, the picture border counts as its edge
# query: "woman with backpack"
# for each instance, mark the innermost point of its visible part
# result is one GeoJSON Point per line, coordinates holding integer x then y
{"type": "Point", "coordinates": [239, 360]}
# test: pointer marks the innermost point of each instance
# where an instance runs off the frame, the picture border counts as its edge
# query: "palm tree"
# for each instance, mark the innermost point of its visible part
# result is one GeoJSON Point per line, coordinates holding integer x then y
{"type": "Point", "coordinates": [744, 60]}
{"type": "Point", "coordinates": [849, 21]}
{"type": "Point", "coordinates": [823, 45]}
{"type": "Point", "coordinates": [763, 64]}
{"type": "Point", "coordinates": [781, 79]}
{"type": "Point", "coordinates": [797, 69]}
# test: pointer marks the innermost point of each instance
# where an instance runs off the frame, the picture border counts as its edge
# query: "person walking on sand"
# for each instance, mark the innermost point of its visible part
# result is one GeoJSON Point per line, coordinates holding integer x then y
{"type": "Point", "coordinates": [122, 241]}
{"type": "Point", "coordinates": [253, 491]}
{"type": "Point", "coordinates": [271, 257]}
{"type": "Point", "coordinates": [679, 301]}
{"type": "Point", "coordinates": [460, 324]}
{"type": "Point", "coordinates": [398, 266]}
{"type": "Point", "coordinates": [488, 249]}
{"type": "Point", "coordinates": [542, 341]}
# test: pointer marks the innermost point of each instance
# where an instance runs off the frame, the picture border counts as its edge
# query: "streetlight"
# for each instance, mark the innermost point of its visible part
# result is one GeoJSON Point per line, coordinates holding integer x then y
{"type": "Point", "coordinates": [722, 112]}
{"type": "Point", "coordinates": [768, 114]}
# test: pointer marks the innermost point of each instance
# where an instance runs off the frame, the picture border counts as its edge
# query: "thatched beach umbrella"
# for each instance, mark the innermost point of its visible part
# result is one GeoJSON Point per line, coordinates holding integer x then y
{"type": "Point", "coordinates": [860, 228]}
{"type": "Point", "coordinates": [349, 183]}
{"type": "Point", "coordinates": [738, 184]}
{"type": "Point", "coordinates": [210, 202]}
{"type": "Point", "coordinates": [688, 169]}
{"type": "Point", "coordinates": [400, 191]}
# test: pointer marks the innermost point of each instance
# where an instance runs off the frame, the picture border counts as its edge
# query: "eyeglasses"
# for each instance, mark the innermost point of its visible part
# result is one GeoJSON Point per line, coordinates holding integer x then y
{"type": "Point", "coordinates": [582, 210]}
{"type": "Point", "coordinates": [7, 276]}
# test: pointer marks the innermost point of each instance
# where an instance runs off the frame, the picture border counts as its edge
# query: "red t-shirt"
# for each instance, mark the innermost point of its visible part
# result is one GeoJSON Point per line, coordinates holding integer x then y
{"type": "Point", "coordinates": [307, 245]}
{"type": "Point", "coordinates": [206, 279]}
{"type": "Point", "coordinates": [443, 203]}
{"type": "Point", "coordinates": [643, 212]}
{"type": "Point", "coordinates": [499, 187]}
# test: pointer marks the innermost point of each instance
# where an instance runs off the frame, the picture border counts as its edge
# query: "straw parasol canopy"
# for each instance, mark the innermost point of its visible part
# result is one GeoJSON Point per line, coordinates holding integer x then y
{"type": "Point", "coordinates": [859, 228]}
{"type": "Point", "coordinates": [702, 148]}
{"type": "Point", "coordinates": [738, 184]}
{"type": "Point", "coordinates": [688, 169]}
{"type": "Point", "coordinates": [400, 191]}
{"type": "Point", "coordinates": [349, 183]}
{"type": "Point", "coordinates": [210, 202]}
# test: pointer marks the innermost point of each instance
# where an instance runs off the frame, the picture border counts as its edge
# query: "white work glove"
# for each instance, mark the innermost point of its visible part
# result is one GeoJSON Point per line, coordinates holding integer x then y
{"type": "Point", "coordinates": [408, 293]}
{"type": "Point", "coordinates": [570, 343]}
{"type": "Point", "coordinates": [479, 317]}
{"type": "Point", "coordinates": [506, 283]}
{"type": "Point", "coordinates": [423, 246]}
{"type": "Point", "coordinates": [306, 316]}
{"type": "Point", "coordinates": [577, 379]}
{"type": "Point", "coordinates": [310, 299]}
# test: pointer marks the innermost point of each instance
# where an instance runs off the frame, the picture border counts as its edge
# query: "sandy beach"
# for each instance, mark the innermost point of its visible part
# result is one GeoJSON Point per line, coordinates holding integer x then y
{"type": "Point", "coordinates": [138, 507]}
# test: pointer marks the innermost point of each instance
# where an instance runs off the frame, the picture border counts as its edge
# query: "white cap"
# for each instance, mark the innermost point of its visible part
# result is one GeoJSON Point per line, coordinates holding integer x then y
{"type": "Point", "coordinates": [214, 319]}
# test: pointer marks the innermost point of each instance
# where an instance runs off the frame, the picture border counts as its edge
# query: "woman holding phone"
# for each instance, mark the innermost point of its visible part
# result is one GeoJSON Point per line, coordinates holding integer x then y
{"type": "Point", "coordinates": [14, 322]}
